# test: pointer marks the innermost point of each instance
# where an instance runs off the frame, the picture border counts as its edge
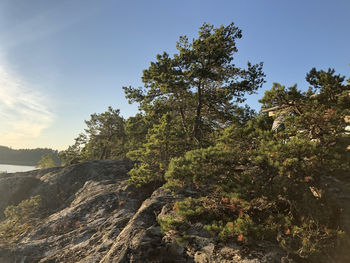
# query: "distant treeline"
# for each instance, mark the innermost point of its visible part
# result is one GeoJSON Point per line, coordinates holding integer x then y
{"type": "Point", "coordinates": [29, 157]}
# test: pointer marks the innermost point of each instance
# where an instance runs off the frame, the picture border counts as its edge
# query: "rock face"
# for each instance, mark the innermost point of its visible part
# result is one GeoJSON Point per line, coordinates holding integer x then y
{"type": "Point", "coordinates": [89, 205]}
{"type": "Point", "coordinates": [93, 215]}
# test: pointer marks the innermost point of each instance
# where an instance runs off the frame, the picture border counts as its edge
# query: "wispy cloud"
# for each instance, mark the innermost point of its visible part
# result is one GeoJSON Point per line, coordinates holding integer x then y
{"type": "Point", "coordinates": [23, 111]}
{"type": "Point", "coordinates": [55, 18]}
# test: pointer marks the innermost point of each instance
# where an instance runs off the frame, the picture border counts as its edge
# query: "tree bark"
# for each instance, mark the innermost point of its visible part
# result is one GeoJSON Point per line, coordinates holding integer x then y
{"type": "Point", "coordinates": [196, 126]}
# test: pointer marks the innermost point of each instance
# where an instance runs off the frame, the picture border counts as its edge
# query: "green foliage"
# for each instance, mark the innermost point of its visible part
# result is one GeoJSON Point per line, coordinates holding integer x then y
{"type": "Point", "coordinates": [274, 176]}
{"type": "Point", "coordinates": [169, 223]}
{"type": "Point", "coordinates": [136, 129]}
{"type": "Point", "coordinates": [207, 169]}
{"type": "Point", "coordinates": [104, 138]}
{"type": "Point", "coordinates": [163, 142]}
{"type": "Point", "coordinates": [279, 95]}
{"type": "Point", "coordinates": [271, 188]}
{"type": "Point", "coordinates": [46, 162]}
{"type": "Point", "coordinates": [252, 182]}
{"type": "Point", "coordinates": [199, 84]}
{"type": "Point", "coordinates": [106, 135]}
{"type": "Point", "coordinates": [189, 98]}
{"type": "Point", "coordinates": [317, 115]}
{"type": "Point", "coordinates": [74, 153]}
{"type": "Point", "coordinates": [19, 218]}
{"type": "Point", "coordinates": [240, 229]}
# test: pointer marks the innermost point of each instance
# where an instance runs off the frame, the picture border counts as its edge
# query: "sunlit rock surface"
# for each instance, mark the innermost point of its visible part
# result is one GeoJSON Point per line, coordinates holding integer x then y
{"type": "Point", "coordinates": [91, 214]}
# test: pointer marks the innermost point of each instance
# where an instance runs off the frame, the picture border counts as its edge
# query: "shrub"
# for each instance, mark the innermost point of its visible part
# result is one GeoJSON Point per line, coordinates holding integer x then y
{"type": "Point", "coordinates": [19, 218]}
{"type": "Point", "coordinates": [267, 189]}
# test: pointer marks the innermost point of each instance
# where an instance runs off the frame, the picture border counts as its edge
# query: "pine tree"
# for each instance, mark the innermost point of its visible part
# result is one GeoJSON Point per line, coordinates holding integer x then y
{"type": "Point", "coordinates": [197, 90]}
{"type": "Point", "coordinates": [104, 138]}
{"type": "Point", "coordinates": [199, 84]}
{"type": "Point", "coordinates": [46, 162]}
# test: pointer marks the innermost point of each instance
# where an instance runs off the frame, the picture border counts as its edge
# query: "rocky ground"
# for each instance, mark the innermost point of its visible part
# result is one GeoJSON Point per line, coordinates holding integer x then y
{"type": "Point", "coordinates": [93, 215]}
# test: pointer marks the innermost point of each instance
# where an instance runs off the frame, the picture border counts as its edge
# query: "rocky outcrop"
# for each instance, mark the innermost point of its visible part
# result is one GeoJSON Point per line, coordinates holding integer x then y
{"type": "Point", "coordinates": [88, 205]}
{"type": "Point", "coordinates": [91, 214]}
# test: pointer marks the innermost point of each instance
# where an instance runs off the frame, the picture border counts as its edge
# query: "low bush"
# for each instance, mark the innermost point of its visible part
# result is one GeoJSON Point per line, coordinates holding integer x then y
{"type": "Point", "coordinates": [19, 218]}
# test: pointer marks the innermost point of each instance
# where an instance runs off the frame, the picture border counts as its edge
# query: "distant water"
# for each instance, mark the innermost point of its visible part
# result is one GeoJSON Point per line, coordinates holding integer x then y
{"type": "Point", "coordinates": [15, 168]}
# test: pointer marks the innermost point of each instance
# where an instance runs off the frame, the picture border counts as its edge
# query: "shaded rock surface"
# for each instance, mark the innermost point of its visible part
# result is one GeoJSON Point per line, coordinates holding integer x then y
{"type": "Point", "coordinates": [93, 215]}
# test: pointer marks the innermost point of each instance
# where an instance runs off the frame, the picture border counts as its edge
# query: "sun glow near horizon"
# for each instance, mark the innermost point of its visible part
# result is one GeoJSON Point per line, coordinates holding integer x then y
{"type": "Point", "coordinates": [24, 111]}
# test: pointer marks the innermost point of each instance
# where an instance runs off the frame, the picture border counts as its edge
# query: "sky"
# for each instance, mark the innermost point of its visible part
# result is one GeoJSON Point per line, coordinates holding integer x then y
{"type": "Point", "coordinates": [61, 61]}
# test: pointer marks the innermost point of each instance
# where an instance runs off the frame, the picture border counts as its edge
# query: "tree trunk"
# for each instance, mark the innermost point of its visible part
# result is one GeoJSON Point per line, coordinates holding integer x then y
{"type": "Point", "coordinates": [196, 126]}
{"type": "Point", "coordinates": [183, 121]}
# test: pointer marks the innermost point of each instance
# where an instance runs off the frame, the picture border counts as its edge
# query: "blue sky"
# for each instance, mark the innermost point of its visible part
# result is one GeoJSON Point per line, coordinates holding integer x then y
{"type": "Point", "coordinates": [62, 60]}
